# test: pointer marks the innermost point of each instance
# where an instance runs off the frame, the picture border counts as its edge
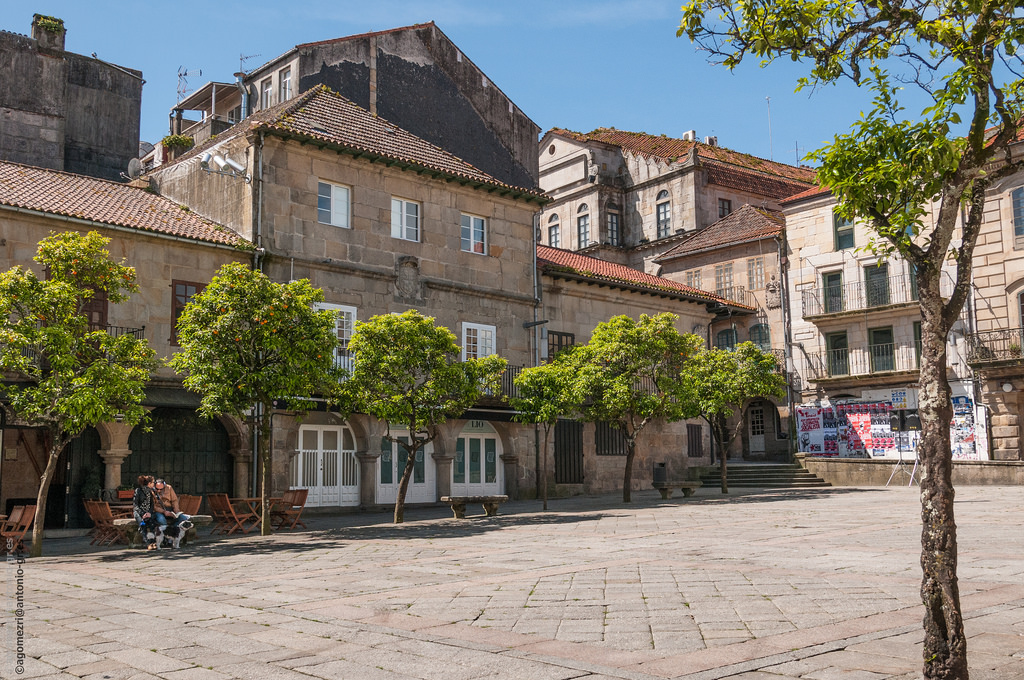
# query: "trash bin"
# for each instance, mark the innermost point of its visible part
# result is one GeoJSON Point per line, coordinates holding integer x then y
{"type": "Point", "coordinates": [660, 473]}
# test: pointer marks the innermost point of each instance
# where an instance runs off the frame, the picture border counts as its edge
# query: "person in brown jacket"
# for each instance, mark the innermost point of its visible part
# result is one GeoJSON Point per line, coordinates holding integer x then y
{"type": "Point", "coordinates": [165, 504]}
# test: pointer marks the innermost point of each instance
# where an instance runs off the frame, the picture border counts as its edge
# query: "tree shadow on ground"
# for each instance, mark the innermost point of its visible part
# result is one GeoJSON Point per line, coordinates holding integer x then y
{"type": "Point", "coordinates": [340, 537]}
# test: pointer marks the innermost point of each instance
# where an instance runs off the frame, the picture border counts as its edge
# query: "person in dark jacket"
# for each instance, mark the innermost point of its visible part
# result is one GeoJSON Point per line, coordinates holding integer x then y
{"type": "Point", "coordinates": [142, 508]}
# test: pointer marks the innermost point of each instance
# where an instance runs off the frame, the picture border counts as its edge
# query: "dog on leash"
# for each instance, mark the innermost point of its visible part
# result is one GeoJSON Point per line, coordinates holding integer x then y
{"type": "Point", "coordinates": [153, 534]}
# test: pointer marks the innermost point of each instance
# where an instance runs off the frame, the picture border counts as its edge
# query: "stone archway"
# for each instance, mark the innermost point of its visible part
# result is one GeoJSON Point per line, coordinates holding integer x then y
{"type": "Point", "coordinates": [191, 452]}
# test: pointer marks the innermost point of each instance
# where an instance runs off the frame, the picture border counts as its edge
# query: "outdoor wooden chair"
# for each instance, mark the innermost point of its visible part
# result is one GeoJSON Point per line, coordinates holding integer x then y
{"type": "Point", "coordinates": [16, 527]}
{"type": "Point", "coordinates": [226, 520]}
{"type": "Point", "coordinates": [103, 532]}
{"type": "Point", "coordinates": [190, 504]}
{"type": "Point", "coordinates": [289, 509]}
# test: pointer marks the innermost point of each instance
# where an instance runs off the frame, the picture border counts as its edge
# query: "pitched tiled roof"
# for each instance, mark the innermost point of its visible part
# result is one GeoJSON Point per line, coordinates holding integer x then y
{"type": "Point", "coordinates": [813, 192]}
{"type": "Point", "coordinates": [554, 260]}
{"type": "Point", "coordinates": [669, 149]}
{"type": "Point", "coordinates": [98, 200]}
{"type": "Point", "coordinates": [740, 226]}
{"type": "Point", "coordinates": [323, 116]}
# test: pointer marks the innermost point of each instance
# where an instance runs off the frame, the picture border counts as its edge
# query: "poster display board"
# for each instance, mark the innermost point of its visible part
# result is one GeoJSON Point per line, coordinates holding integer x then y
{"type": "Point", "coordinates": [861, 429]}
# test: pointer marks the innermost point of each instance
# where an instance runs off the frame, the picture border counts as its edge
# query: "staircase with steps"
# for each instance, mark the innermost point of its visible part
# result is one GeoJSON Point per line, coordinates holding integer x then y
{"type": "Point", "coordinates": [764, 476]}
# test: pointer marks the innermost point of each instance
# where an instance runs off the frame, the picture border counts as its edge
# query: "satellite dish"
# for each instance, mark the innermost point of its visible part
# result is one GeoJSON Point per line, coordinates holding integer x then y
{"type": "Point", "coordinates": [134, 168]}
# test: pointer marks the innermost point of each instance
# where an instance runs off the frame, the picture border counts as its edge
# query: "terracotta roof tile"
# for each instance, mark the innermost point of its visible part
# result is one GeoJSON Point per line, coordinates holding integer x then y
{"type": "Point", "coordinates": [740, 226]}
{"type": "Point", "coordinates": [810, 193]}
{"type": "Point", "coordinates": [552, 260]}
{"type": "Point", "coordinates": [98, 200]}
{"type": "Point", "coordinates": [670, 149]}
{"type": "Point", "coordinates": [320, 114]}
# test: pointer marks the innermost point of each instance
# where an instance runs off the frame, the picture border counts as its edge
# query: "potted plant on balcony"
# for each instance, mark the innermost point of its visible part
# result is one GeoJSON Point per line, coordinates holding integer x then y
{"type": "Point", "coordinates": [1013, 349]}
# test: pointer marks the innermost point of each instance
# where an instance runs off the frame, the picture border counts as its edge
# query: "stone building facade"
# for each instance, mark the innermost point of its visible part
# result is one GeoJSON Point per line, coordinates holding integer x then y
{"type": "Point", "coordinates": [578, 292]}
{"type": "Point", "coordinates": [856, 328]}
{"type": "Point", "coordinates": [739, 257]}
{"type": "Point", "coordinates": [629, 197]}
{"type": "Point", "coordinates": [996, 312]}
{"type": "Point", "coordinates": [168, 246]}
{"type": "Point", "coordinates": [413, 76]}
{"type": "Point", "coordinates": [66, 111]}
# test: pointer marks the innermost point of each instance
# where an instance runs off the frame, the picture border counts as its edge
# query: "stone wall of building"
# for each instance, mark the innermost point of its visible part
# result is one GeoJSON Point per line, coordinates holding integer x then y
{"type": "Point", "coordinates": [66, 111]}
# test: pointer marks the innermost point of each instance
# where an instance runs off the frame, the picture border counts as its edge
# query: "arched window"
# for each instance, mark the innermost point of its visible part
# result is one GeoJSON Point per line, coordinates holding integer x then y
{"type": "Point", "coordinates": [663, 214]}
{"type": "Point", "coordinates": [760, 335]}
{"type": "Point", "coordinates": [726, 339]}
{"type": "Point", "coordinates": [582, 227]}
{"type": "Point", "coordinates": [553, 231]}
{"type": "Point", "coordinates": [614, 237]}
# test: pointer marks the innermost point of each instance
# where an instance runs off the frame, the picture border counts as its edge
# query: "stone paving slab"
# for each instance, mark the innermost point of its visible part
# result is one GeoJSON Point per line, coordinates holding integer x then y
{"type": "Point", "coordinates": [758, 585]}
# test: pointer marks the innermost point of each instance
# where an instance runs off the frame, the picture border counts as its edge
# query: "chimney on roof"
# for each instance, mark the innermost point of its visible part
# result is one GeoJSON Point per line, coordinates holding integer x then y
{"type": "Point", "coordinates": [711, 141]}
{"type": "Point", "coordinates": [48, 32]}
{"type": "Point", "coordinates": [690, 136]}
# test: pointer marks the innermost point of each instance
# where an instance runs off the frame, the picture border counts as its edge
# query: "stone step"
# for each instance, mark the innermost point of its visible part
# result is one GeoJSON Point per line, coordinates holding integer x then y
{"type": "Point", "coordinates": [765, 476]}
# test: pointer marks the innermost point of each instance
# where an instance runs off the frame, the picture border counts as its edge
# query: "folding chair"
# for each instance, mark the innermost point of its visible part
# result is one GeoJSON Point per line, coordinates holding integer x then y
{"type": "Point", "coordinates": [15, 528]}
{"type": "Point", "coordinates": [190, 504]}
{"type": "Point", "coordinates": [102, 517]}
{"type": "Point", "coordinates": [290, 508]}
{"type": "Point", "coordinates": [226, 520]}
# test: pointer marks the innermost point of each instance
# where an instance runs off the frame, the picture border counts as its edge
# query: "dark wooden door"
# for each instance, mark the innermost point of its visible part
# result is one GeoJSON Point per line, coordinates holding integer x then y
{"type": "Point", "coordinates": [569, 452]}
{"type": "Point", "coordinates": [183, 448]}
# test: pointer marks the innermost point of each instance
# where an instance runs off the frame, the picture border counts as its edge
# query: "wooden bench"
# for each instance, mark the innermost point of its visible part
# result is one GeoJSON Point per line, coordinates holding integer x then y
{"type": "Point", "coordinates": [666, 488]}
{"type": "Point", "coordinates": [458, 504]}
{"type": "Point", "coordinates": [129, 529]}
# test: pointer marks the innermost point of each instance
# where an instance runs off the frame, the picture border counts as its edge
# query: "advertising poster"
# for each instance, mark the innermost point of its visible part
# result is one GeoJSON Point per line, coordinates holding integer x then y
{"type": "Point", "coordinates": [811, 436]}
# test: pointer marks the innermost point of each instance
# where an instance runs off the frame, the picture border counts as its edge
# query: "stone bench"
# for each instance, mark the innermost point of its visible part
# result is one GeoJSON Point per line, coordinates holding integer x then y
{"type": "Point", "coordinates": [128, 529]}
{"type": "Point", "coordinates": [458, 504]}
{"type": "Point", "coordinates": [666, 488]}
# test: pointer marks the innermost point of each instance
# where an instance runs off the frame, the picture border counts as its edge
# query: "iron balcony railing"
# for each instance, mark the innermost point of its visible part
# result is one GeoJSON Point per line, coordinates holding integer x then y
{"type": "Point", "coordinates": [736, 294]}
{"type": "Point", "coordinates": [861, 295]}
{"type": "Point", "coordinates": [863, 361]}
{"type": "Point", "coordinates": [989, 347]}
{"type": "Point", "coordinates": [117, 331]}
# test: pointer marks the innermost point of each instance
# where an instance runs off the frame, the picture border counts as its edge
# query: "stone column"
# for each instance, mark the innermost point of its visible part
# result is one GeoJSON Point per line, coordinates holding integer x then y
{"type": "Point", "coordinates": [112, 459]}
{"type": "Point", "coordinates": [443, 472]}
{"type": "Point", "coordinates": [367, 478]}
{"type": "Point", "coordinates": [114, 440]}
{"type": "Point", "coordinates": [243, 464]}
{"type": "Point", "coordinates": [510, 464]}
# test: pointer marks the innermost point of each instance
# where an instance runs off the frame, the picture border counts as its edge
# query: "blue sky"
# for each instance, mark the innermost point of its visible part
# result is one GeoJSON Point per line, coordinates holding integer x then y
{"type": "Point", "coordinates": [573, 64]}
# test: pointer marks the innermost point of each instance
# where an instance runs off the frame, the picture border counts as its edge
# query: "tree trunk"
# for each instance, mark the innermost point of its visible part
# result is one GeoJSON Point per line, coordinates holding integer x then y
{"type": "Point", "coordinates": [627, 476]}
{"type": "Point", "coordinates": [56, 447]}
{"type": "Point", "coordinates": [544, 465]}
{"type": "Point", "coordinates": [723, 445]}
{"type": "Point", "coordinates": [264, 449]}
{"type": "Point", "coordinates": [403, 485]}
{"type": "Point", "coordinates": [945, 646]}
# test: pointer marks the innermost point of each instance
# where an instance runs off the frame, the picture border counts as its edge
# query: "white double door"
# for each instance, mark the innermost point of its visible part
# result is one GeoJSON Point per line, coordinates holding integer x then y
{"type": "Point", "coordinates": [391, 467]}
{"type": "Point", "coordinates": [475, 470]}
{"type": "Point", "coordinates": [326, 465]}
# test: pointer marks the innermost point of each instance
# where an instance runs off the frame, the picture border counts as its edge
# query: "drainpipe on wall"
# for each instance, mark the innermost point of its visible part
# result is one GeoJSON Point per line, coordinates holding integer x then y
{"type": "Point", "coordinates": [536, 358]}
{"type": "Point", "coordinates": [787, 325]}
{"type": "Point", "coordinates": [257, 264]}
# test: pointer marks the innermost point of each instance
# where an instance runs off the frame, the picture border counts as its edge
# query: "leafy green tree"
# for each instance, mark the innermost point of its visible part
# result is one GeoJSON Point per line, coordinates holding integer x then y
{"type": "Point", "coordinates": [893, 173]}
{"type": "Point", "coordinates": [407, 373]}
{"type": "Point", "coordinates": [246, 342]}
{"type": "Point", "coordinates": [631, 373]}
{"type": "Point", "coordinates": [67, 374]}
{"type": "Point", "coordinates": [724, 380]}
{"type": "Point", "coordinates": [546, 393]}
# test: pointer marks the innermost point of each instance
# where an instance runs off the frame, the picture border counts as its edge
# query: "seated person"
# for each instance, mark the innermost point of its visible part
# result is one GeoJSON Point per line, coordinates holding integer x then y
{"type": "Point", "coordinates": [165, 504]}
{"type": "Point", "coordinates": [143, 510]}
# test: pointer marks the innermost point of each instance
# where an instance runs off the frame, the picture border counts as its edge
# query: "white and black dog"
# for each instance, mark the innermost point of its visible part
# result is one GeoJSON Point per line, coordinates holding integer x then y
{"type": "Point", "coordinates": [156, 534]}
{"type": "Point", "coordinates": [174, 533]}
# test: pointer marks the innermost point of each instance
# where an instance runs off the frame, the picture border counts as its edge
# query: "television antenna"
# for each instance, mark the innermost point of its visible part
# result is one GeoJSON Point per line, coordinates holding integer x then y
{"type": "Point", "coordinates": [183, 76]}
{"type": "Point", "coordinates": [242, 58]}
